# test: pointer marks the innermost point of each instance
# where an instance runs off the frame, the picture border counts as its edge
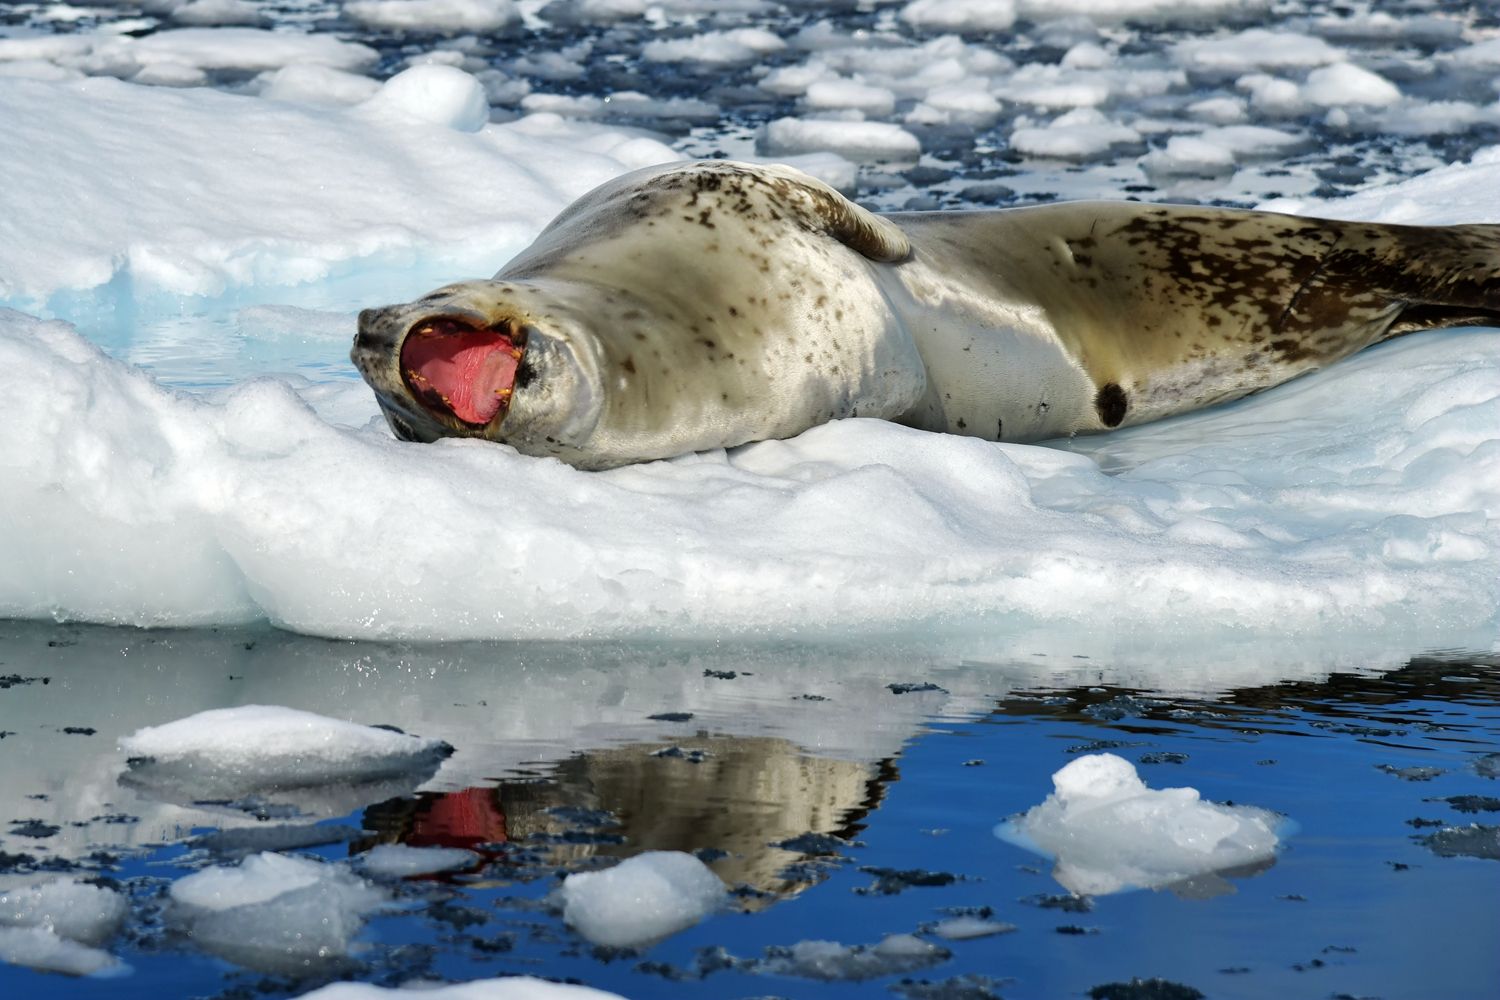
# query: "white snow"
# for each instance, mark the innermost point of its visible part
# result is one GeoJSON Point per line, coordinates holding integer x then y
{"type": "Point", "coordinates": [835, 94]}
{"type": "Point", "coordinates": [642, 899]}
{"type": "Point", "coordinates": [510, 988]}
{"type": "Point", "coordinates": [289, 195]}
{"type": "Point", "coordinates": [440, 95]}
{"type": "Point", "coordinates": [309, 84]}
{"type": "Point", "coordinates": [854, 140]}
{"type": "Point", "coordinates": [1109, 832]}
{"type": "Point", "coordinates": [439, 16]}
{"type": "Point", "coordinates": [272, 912]}
{"type": "Point", "coordinates": [403, 861]}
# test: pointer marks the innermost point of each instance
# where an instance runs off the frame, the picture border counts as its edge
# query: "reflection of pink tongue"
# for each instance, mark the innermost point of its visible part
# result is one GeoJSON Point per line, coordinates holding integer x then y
{"type": "Point", "coordinates": [469, 372]}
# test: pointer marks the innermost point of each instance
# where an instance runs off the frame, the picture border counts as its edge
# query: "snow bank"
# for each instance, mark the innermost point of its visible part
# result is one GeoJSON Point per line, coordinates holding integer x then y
{"type": "Point", "coordinates": [1109, 832]}
{"type": "Point", "coordinates": [257, 751]}
{"type": "Point", "coordinates": [1298, 510]}
{"type": "Point", "coordinates": [642, 899]}
{"type": "Point", "coordinates": [290, 194]}
{"type": "Point", "coordinates": [274, 913]}
{"type": "Point", "coordinates": [514, 988]}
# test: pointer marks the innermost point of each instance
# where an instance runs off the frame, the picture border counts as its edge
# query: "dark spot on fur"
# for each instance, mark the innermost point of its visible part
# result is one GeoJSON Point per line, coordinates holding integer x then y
{"type": "Point", "coordinates": [961, 424]}
{"type": "Point", "coordinates": [999, 429]}
{"type": "Point", "coordinates": [525, 373]}
{"type": "Point", "coordinates": [1111, 402]}
{"type": "Point", "coordinates": [629, 365]}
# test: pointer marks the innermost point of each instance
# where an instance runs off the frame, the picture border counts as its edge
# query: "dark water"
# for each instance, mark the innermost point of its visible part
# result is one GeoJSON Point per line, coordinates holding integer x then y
{"type": "Point", "coordinates": [899, 761]}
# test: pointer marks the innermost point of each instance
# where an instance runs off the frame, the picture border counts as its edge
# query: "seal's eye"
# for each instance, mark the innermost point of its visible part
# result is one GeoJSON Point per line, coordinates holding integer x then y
{"type": "Point", "coordinates": [453, 368]}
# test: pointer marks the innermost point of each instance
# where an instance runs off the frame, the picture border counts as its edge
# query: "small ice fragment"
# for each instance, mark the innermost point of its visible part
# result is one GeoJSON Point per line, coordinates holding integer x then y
{"type": "Point", "coordinates": [444, 17]}
{"type": "Point", "coordinates": [403, 861]}
{"type": "Point", "coordinates": [855, 140]}
{"type": "Point", "coordinates": [832, 961]}
{"type": "Point", "coordinates": [39, 948]}
{"type": "Point", "coordinates": [1345, 84]}
{"type": "Point", "coordinates": [968, 928]}
{"type": "Point", "coordinates": [1109, 832]}
{"type": "Point", "coordinates": [274, 913]}
{"type": "Point", "coordinates": [88, 914]}
{"type": "Point", "coordinates": [642, 899]}
{"type": "Point", "coordinates": [960, 15]}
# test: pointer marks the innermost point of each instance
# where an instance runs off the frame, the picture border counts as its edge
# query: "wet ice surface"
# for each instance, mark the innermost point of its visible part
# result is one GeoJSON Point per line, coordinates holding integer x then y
{"type": "Point", "coordinates": [1235, 603]}
{"type": "Point", "coordinates": [845, 795]}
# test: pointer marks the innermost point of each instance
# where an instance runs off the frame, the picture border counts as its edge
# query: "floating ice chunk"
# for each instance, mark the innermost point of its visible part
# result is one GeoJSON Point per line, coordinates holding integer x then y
{"type": "Point", "coordinates": [1086, 55]}
{"type": "Point", "coordinates": [1144, 11]}
{"type": "Point", "coordinates": [88, 914]}
{"type": "Point", "coordinates": [1109, 832]}
{"type": "Point", "coordinates": [642, 899]}
{"type": "Point", "coordinates": [740, 45]}
{"type": "Point", "coordinates": [968, 104]}
{"type": "Point", "coordinates": [1055, 87]}
{"type": "Point", "coordinates": [1255, 140]}
{"type": "Point", "coordinates": [826, 95]}
{"type": "Point", "coordinates": [507, 988]}
{"type": "Point", "coordinates": [1254, 49]}
{"type": "Point", "coordinates": [1219, 110]}
{"type": "Point", "coordinates": [1187, 155]}
{"type": "Point", "coordinates": [832, 961]}
{"type": "Point", "coordinates": [960, 15]}
{"type": "Point", "coordinates": [1271, 95]}
{"type": "Point", "coordinates": [220, 13]}
{"type": "Point", "coordinates": [1077, 135]}
{"type": "Point", "coordinates": [274, 913]}
{"type": "Point", "coordinates": [444, 17]}
{"type": "Point", "coordinates": [311, 84]}
{"type": "Point", "coordinates": [1344, 84]}
{"type": "Point", "coordinates": [441, 95]}
{"type": "Point", "coordinates": [1378, 26]}
{"type": "Point", "coordinates": [1413, 118]}
{"type": "Point", "coordinates": [256, 751]}
{"type": "Point", "coordinates": [792, 81]}
{"type": "Point", "coordinates": [249, 49]}
{"type": "Point", "coordinates": [1481, 57]}
{"type": "Point", "coordinates": [39, 948]}
{"type": "Point", "coordinates": [404, 861]}
{"type": "Point", "coordinates": [968, 928]}
{"type": "Point", "coordinates": [858, 141]}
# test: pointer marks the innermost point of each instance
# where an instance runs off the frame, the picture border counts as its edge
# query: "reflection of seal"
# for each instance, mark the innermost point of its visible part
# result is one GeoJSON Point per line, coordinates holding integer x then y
{"type": "Point", "coordinates": [708, 304]}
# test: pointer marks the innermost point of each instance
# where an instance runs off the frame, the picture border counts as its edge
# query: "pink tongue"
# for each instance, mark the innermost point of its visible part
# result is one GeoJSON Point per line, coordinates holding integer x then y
{"type": "Point", "coordinates": [471, 372]}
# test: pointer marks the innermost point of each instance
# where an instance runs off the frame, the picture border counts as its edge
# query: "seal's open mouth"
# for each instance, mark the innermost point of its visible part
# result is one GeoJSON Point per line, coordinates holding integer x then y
{"type": "Point", "coordinates": [470, 372]}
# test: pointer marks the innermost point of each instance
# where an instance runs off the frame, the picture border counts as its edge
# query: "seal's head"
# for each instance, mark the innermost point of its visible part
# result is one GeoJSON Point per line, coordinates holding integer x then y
{"type": "Point", "coordinates": [499, 360]}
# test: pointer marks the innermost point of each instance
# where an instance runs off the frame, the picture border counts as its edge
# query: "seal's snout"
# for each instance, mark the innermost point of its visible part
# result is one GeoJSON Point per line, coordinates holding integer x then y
{"type": "Point", "coordinates": [454, 368]}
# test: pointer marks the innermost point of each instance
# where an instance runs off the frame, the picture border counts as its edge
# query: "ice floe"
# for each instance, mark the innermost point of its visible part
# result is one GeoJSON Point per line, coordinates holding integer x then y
{"type": "Point", "coordinates": [642, 899]}
{"type": "Point", "coordinates": [259, 754]}
{"type": "Point", "coordinates": [403, 861]}
{"type": "Point", "coordinates": [58, 926]}
{"type": "Point", "coordinates": [438, 16]}
{"type": "Point", "coordinates": [274, 913]}
{"type": "Point", "coordinates": [1109, 832]}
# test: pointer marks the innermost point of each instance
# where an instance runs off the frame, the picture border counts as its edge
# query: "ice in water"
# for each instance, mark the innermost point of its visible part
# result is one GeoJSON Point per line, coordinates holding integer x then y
{"type": "Point", "coordinates": [1109, 832]}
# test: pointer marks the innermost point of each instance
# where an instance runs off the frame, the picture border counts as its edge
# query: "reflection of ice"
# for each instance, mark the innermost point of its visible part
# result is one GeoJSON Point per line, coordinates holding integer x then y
{"type": "Point", "coordinates": [274, 913]}
{"type": "Point", "coordinates": [1109, 832]}
{"type": "Point", "coordinates": [642, 899]}
{"type": "Point", "coordinates": [275, 760]}
{"type": "Point", "coordinates": [830, 960]}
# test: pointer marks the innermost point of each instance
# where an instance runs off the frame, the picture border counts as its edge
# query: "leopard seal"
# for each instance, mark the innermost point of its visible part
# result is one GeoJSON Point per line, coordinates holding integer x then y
{"type": "Point", "coordinates": [707, 304]}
